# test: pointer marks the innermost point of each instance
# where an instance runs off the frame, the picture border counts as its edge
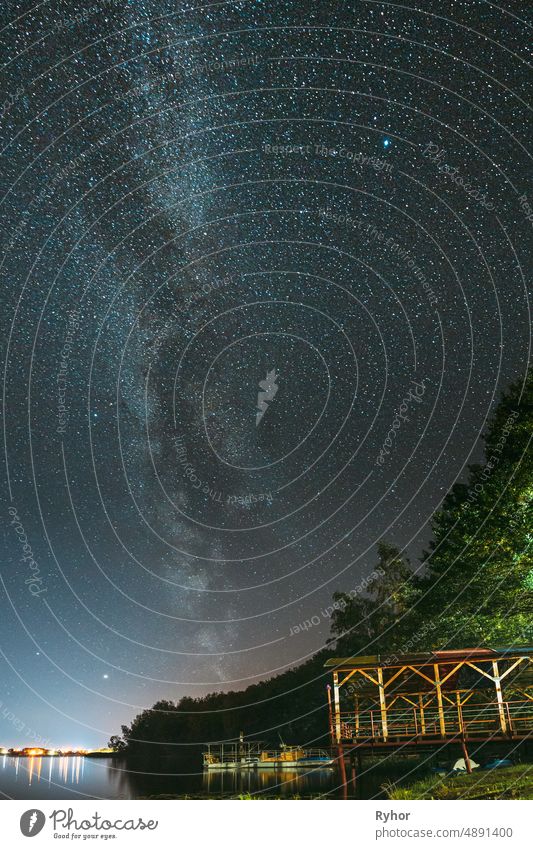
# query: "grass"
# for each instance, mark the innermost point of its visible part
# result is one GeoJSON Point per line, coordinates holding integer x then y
{"type": "Point", "coordinates": [514, 782]}
{"type": "Point", "coordinates": [244, 797]}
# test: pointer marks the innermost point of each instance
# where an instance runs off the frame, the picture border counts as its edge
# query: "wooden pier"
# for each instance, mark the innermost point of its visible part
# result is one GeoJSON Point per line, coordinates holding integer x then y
{"type": "Point", "coordinates": [430, 699]}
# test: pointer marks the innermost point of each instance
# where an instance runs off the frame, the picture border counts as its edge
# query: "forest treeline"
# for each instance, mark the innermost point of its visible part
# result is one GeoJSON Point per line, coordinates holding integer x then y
{"type": "Point", "coordinates": [474, 586]}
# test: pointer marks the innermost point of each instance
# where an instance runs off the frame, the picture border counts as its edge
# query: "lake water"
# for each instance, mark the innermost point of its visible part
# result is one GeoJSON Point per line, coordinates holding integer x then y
{"type": "Point", "coordinates": [114, 778]}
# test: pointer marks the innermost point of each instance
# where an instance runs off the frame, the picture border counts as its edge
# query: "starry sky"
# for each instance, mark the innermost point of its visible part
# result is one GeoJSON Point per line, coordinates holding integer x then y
{"type": "Point", "coordinates": [320, 210]}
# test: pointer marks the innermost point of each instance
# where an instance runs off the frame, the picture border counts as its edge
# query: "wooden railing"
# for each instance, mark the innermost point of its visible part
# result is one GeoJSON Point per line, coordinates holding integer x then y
{"type": "Point", "coordinates": [471, 720]}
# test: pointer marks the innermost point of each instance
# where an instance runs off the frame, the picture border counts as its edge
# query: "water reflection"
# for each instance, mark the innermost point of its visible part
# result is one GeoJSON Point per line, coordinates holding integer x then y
{"type": "Point", "coordinates": [79, 777]}
{"type": "Point", "coordinates": [52, 777]}
{"type": "Point", "coordinates": [113, 778]}
{"type": "Point", "coordinates": [270, 782]}
{"type": "Point", "coordinates": [56, 767]}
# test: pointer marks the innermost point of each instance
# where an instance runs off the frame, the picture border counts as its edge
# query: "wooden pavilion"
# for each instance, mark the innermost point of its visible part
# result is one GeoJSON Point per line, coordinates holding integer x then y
{"type": "Point", "coordinates": [472, 694]}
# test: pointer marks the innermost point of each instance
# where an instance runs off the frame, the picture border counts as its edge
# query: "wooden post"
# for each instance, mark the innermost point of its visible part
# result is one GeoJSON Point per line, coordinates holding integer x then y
{"type": "Point", "coordinates": [342, 770]}
{"type": "Point", "coordinates": [509, 719]}
{"type": "Point", "coordinates": [459, 713]}
{"type": "Point", "coordinates": [465, 755]}
{"type": "Point", "coordinates": [330, 714]}
{"type": "Point", "coordinates": [337, 706]}
{"type": "Point", "coordinates": [382, 704]}
{"type": "Point", "coordinates": [499, 697]}
{"type": "Point", "coordinates": [438, 690]}
{"type": "Point", "coordinates": [353, 771]}
{"type": "Point", "coordinates": [422, 715]}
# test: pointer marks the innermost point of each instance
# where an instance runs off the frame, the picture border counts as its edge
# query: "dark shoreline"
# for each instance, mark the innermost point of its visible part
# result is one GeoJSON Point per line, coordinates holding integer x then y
{"type": "Point", "coordinates": [63, 755]}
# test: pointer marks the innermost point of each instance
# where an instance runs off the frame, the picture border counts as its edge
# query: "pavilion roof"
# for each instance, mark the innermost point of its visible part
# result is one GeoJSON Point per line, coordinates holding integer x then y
{"type": "Point", "coordinates": [451, 664]}
{"type": "Point", "coordinates": [422, 658]}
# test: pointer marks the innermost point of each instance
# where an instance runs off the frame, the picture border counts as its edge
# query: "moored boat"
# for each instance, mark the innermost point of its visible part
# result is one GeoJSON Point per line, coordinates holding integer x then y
{"type": "Point", "coordinates": [241, 755]}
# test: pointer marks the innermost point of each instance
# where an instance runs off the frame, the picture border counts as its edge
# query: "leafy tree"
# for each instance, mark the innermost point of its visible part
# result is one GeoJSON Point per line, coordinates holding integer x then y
{"type": "Point", "coordinates": [116, 743]}
{"type": "Point", "coordinates": [478, 586]}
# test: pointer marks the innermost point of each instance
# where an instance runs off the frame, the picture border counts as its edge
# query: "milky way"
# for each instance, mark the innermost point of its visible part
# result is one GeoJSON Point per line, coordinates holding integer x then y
{"type": "Point", "coordinates": [323, 207]}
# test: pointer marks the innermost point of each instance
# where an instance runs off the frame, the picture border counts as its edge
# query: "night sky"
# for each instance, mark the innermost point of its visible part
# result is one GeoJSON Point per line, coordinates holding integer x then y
{"type": "Point", "coordinates": [317, 211]}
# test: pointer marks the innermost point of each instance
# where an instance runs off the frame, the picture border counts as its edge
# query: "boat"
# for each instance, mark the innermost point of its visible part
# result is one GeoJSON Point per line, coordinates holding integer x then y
{"type": "Point", "coordinates": [245, 755]}
{"type": "Point", "coordinates": [294, 757]}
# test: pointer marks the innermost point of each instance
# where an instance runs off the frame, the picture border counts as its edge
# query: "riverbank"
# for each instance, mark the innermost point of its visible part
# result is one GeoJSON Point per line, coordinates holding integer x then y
{"type": "Point", "coordinates": [58, 755]}
{"type": "Point", "coordinates": [515, 782]}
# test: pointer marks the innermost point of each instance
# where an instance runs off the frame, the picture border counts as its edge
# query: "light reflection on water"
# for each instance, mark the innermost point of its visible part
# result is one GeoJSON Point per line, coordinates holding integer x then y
{"type": "Point", "coordinates": [269, 782]}
{"type": "Point", "coordinates": [79, 777]}
{"type": "Point", "coordinates": [57, 778]}
{"type": "Point", "coordinates": [109, 778]}
{"type": "Point", "coordinates": [48, 769]}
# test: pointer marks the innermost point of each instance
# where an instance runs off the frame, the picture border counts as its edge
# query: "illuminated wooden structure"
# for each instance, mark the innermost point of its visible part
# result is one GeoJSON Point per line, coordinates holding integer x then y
{"type": "Point", "coordinates": [477, 694]}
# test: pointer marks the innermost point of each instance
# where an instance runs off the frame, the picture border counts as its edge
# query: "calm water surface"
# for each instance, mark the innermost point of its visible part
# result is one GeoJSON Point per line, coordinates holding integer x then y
{"type": "Point", "coordinates": [113, 778]}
